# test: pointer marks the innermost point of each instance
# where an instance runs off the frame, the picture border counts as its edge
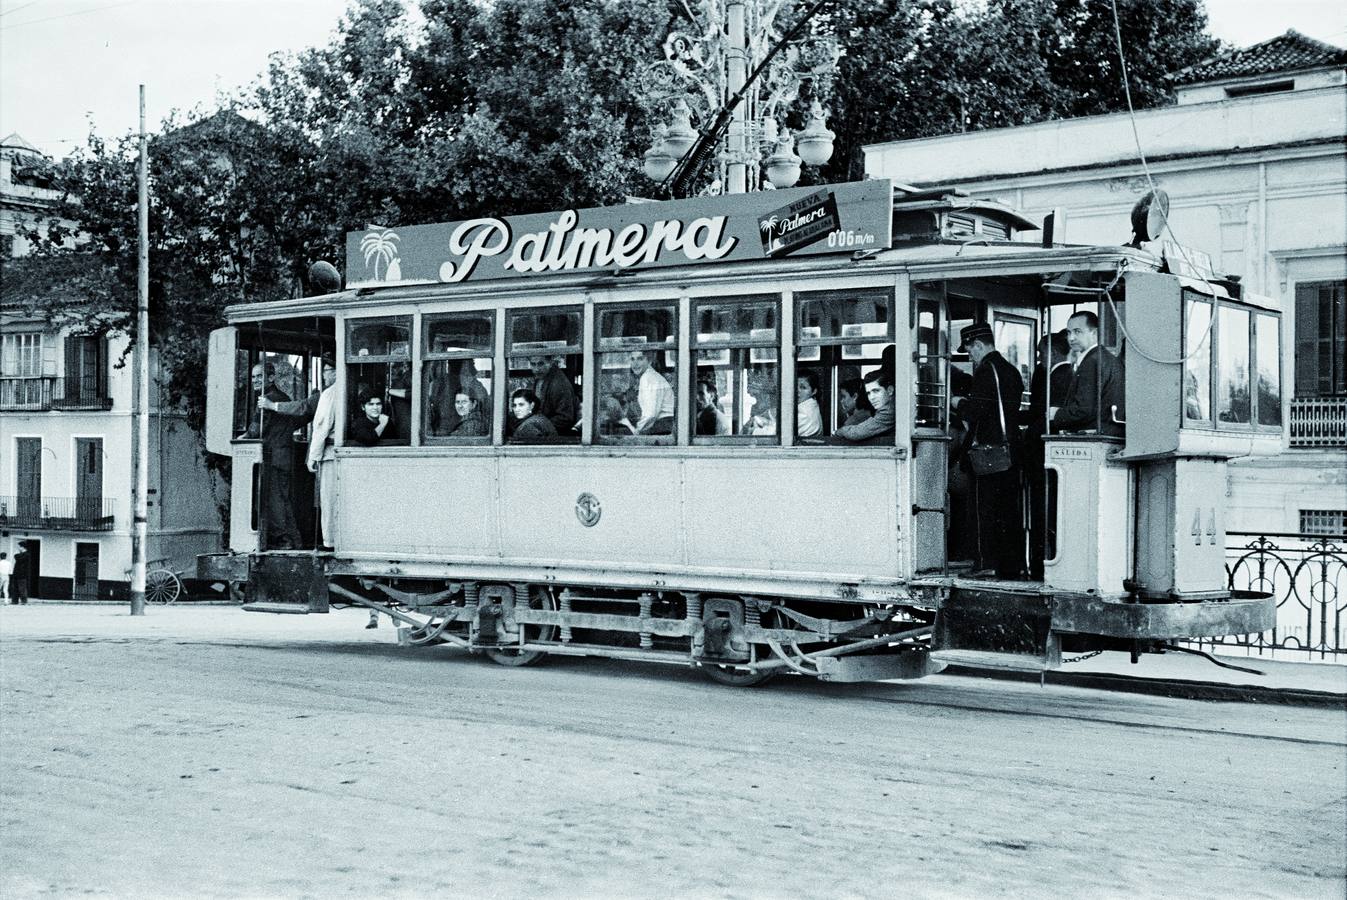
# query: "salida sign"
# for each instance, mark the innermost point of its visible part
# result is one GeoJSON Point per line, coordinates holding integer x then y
{"type": "Point", "coordinates": [827, 219]}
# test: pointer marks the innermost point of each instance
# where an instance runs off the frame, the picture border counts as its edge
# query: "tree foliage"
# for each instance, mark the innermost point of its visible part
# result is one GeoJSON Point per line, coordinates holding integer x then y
{"type": "Point", "coordinates": [474, 108]}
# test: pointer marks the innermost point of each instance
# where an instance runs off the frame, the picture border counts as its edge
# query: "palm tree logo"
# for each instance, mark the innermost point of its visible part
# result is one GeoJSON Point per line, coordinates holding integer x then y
{"type": "Point", "coordinates": [767, 227]}
{"type": "Point", "coordinates": [380, 245]}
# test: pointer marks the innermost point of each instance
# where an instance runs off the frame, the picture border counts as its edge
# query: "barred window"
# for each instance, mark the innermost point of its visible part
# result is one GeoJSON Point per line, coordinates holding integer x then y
{"type": "Point", "coordinates": [1330, 522]}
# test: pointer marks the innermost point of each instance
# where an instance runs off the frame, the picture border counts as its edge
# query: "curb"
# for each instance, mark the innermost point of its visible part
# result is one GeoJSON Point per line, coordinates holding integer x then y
{"type": "Point", "coordinates": [1164, 687]}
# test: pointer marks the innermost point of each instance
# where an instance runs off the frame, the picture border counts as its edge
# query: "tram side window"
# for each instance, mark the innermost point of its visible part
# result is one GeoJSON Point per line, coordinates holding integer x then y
{"type": "Point", "coordinates": [737, 377]}
{"type": "Point", "coordinates": [379, 366]}
{"type": "Point", "coordinates": [1267, 359]}
{"type": "Point", "coordinates": [1197, 362]}
{"type": "Point", "coordinates": [932, 351]}
{"type": "Point", "coordinates": [456, 375]}
{"type": "Point", "coordinates": [636, 399]}
{"type": "Point", "coordinates": [544, 357]}
{"type": "Point", "coordinates": [1232, 365]}
{"type": "Point", "coordinates": [842, 338]}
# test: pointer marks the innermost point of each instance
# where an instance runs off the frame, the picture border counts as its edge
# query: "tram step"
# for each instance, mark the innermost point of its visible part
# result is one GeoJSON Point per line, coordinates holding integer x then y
{"type": "Point", "coordinates": [985, 659]}
{"type": "Point", "coordinates": [293, 609]}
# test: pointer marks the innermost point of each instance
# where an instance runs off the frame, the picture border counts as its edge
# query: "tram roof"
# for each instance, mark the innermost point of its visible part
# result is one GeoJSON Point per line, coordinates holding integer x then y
{"type": "Point", "coordinates": [924, 259]}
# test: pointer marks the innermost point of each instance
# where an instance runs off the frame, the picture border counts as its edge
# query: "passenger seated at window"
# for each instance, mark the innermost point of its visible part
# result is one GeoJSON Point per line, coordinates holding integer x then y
{"type": "Point", "coordinates": [468, 419]}
{"type": "Point", "coordinates": [808, 417]}
{"type": "Point", "coordinates": [711, 418]}
{"type": "Point", "coordinates": [530, 425]}
{"type": "Point", "coordinates": [553, 393]}
{"type": "Point", "coordinates": [878, 429]}
{"type": "Point", "coordinates": [369, 425]}
{"type": "Point", "coordinates": [855, 406]}
{"type": "Point", "coordinates": [762, 419]}
{"type": "Point", "coordinates": [654, 396]}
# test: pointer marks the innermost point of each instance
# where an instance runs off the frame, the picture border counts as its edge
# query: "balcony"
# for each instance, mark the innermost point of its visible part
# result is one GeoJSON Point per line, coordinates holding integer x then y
{"type": "Point", "coordinates": [1319, 421]}
{"type": "Point", "coordinates": [56, 513]}
{"type": "Point", "coordinates": [40, 394]}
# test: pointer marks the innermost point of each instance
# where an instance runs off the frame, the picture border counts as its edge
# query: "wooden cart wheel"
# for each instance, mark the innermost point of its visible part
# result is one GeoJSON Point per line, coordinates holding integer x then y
{"type": "Point", "coordinates": [162, 586]}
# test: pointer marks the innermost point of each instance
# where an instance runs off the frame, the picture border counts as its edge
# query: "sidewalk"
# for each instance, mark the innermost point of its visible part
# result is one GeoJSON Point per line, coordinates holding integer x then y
{"type": "Point", "coordinates": [1171, 674]}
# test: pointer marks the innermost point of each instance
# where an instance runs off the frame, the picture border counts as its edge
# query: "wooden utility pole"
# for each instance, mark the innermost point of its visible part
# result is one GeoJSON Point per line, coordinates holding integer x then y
{"type": "Point", "coordinates": [140, 495]}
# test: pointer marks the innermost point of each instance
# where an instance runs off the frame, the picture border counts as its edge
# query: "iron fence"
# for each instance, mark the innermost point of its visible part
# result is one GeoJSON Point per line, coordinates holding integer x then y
{"type": "Point", "coordinates": [1307, 574]}
{"type": "Point", "coordinates": [1319, 421]}
{"type": "Point", "coordinates": [57, 513]}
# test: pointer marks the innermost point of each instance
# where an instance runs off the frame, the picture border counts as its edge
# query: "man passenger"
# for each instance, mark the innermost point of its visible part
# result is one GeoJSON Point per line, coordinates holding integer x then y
{"type": "Point", "coordinates": [555, 392]}
{"type": "Point", "coordinates": [322, 407]}
{"type": "Point", "coordinates": [276, 430]}
{"type": "Point", "coordinates": [991, 410]}
{"type": "Point", "coordinates": [653, 394]}
{"type": "Point", "coordinates": [878, 429]}
{"type": "Point", "coordinates": [1094, 399]}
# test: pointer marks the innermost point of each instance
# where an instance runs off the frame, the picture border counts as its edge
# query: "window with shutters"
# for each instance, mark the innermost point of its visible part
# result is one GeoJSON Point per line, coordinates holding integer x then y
{"type": "Point", "coordinates": [1321, 338]}
{"type": "Point", "coordinates": [27, 362]}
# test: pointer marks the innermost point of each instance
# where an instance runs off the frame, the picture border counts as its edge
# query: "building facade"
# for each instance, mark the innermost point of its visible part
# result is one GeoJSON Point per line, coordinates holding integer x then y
{"type": "Point", "coordinates": [1253, 157]}
{"type": "Point", "coordinates": [67, 444]}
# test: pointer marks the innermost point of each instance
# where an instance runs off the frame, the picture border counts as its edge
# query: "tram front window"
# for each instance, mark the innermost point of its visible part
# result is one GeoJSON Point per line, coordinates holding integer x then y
{"type": "Point", "coordinates": [378, 365]}
{"type": "Point", "coordinates": [737, 375]}
{"type": "Point", "coordinates": [544, 357]}
{"type": "Point", "coordinates": [638, 374]}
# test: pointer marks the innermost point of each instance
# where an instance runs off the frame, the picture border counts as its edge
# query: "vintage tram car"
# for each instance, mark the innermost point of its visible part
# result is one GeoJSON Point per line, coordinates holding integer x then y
{"type": "Point", "coordinates": [734, 529]}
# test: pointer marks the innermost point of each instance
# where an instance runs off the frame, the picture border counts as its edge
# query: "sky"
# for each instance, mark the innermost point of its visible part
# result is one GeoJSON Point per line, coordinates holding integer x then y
{"type": "Point", "coordinates": [64, 63]}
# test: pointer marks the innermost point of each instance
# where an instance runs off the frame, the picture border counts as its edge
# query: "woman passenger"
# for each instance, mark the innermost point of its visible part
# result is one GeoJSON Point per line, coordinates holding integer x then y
{"type": "Point", "coordinates": [808, 417]}
{"type": "Point", "coordinates": [855, 405]}
{"type": "Point", "coordinates": [711, 419]}
{"type": "Point", "coordinates": [530, 426]}
{"type": "Point", "coordinates": [468, 420]}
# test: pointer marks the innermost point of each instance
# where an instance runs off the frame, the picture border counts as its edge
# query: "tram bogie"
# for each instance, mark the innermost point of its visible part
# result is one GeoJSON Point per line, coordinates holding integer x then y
{"type": "Point", "coordinates": [702, 499]}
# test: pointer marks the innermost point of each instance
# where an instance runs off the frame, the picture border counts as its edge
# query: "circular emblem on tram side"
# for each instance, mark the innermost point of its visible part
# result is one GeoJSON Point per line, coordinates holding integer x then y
{"type": "Point", "coordinates": [588, 509]}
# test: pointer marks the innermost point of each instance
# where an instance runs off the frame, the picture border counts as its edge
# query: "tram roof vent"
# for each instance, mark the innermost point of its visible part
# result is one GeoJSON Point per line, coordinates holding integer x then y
{"type": "Point", "coordinates": [950, 214]}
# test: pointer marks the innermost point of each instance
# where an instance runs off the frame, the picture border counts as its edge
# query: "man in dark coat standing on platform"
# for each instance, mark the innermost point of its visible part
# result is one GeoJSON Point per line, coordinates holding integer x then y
{"type": "Point", "coordinates": [1094, 401]}
{"type": "Point", "coordinates": [992, 411]}
{"type": "Point", "coordinates": [280, 531]}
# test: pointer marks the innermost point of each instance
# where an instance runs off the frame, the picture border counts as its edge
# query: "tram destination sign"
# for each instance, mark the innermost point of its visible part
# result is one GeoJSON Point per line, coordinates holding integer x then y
{"type": "Point", "coordinates": [839, 218]}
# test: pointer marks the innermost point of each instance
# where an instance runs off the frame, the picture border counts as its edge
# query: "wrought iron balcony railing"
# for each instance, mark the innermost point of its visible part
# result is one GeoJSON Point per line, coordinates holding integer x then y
{"type": "Point", "coordinates": [57, 513]}
{"type": "Point", "coordinates": [1307, 574]}
{"type": "Point", "coordinates": [39, 394]}
{"type": "Point", "coordinates": [1319, 421]}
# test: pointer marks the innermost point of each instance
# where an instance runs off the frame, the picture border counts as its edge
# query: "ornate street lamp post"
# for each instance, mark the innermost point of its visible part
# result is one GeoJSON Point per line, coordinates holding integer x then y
{"type": "Point", "coordinates": [705, 69]}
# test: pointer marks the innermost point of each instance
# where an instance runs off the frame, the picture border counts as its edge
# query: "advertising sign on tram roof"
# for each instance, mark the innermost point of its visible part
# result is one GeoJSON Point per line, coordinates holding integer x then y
{"type": "Point", "coordinates": [837, 218]}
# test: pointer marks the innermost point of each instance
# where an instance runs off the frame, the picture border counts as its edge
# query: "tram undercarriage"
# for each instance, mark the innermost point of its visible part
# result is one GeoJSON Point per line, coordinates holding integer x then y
{"type": "Point", "coordinates": [739, 639]}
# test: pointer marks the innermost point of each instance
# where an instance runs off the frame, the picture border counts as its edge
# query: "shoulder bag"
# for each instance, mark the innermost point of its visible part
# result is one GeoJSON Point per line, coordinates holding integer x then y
{"type": "Point", "coordinates": [992, 459]}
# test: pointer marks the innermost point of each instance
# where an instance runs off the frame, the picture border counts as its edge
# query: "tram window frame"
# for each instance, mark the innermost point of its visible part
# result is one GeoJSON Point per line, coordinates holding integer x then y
{"type": "Point", "coordinates": [1002, 323]}
{"type": "Point", "coordinates": [572, 352]}
{"type": "Point", "coordinates": [624, 346]}
{"type": "Point", "coordinates": [396, 353]}
{"type": "Point", "coordinates": [930, 398]}
{"type": "Point", "coordinates": [1224, 381]}
{"type": "Point", "coordinates": [434, 361]}
{"type": "Point", "coordinates": [836, 352]}
{"type": "Point", "coordinates": [1193, 352]}
{"type": "Point", "coordinates": [739, 355]}
{"type": "Point", "coordinates": [1257, 370]}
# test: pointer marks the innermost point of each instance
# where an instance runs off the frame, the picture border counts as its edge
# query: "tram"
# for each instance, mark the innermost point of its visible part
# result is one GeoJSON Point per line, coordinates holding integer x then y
{"type": "Point", "coordinates": [695, 499]}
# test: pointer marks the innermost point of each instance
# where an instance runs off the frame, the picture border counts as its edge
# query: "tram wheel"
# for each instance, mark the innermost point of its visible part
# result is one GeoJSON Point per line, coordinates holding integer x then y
{"type": "Point", "coordinates": [733, 677]}
{"type": "Point", "coordinates": [539, 598]}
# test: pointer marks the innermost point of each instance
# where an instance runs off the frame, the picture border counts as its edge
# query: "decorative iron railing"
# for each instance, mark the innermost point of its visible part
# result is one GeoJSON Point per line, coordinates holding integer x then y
{"type": "Point", "coordinates": [57, 513]}
{"type": "Point", "coordinates": [1307, 574]}
{"type": "Point", "coordinates": [43, 393]}
{"type": "Point", "coordinates": [1319, 421]}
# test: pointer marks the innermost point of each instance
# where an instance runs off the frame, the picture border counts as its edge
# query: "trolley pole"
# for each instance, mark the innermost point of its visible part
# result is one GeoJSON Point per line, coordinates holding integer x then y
{"type": "Point", "coordinates": [142, 406]}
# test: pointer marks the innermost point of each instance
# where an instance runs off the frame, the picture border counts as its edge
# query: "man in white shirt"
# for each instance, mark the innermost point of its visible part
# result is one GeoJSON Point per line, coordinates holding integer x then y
{"type": "Point", "coordinates": [654, 395]}
{"type": "Point", "coordinates": [6, 570]}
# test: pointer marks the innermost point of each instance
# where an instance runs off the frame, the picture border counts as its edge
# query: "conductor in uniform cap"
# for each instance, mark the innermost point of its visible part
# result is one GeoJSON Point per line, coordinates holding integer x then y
{"type": "Point", "coordinates": [996, 383]}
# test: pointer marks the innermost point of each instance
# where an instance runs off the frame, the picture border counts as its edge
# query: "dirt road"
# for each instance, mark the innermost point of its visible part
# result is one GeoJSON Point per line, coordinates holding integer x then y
{"type": "Point", "coordinates": [305, 758]}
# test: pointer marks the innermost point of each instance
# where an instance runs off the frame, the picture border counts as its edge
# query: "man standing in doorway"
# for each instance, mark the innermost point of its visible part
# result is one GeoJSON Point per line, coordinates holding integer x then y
{"type": "Point", "coordinates": [278, 457]}
{"type": "Point", "coordinates": [322, 407]}
{"type": "Point", "coordinates": [991, 409]}
{"type": "Point", "coordinates": [1094, 401]}
{"type": "Point", "coordinates": [556, 394]}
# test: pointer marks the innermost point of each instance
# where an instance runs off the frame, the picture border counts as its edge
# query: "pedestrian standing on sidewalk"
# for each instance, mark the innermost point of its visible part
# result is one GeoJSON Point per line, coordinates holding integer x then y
{"type": "Point", "coordinates": [19, 583]}
{"type": "Point", "coordinates": [6, 570]}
